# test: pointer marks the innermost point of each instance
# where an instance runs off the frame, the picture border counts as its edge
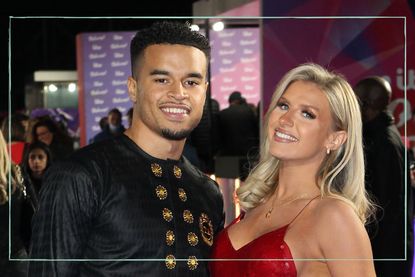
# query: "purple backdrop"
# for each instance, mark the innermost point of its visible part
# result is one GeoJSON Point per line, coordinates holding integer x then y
{"type": "Point", "coordinates": [235, 64]}
{"type": "Point", "coordinates": [105, 66]}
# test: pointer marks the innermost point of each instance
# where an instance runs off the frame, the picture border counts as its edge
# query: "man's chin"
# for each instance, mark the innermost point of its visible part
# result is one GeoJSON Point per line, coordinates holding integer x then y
{"type": "Point", "coordinates": [175, 135]}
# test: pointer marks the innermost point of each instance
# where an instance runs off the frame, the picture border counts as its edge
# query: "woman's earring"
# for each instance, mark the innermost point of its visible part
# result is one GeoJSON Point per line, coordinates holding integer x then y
{"type": "Point", "coordinates": [328, 151]}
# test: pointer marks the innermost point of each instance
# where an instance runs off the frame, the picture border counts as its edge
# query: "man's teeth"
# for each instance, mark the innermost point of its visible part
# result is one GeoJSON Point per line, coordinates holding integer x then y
{"type": "Point", "coordinates": [174, 110]}
{"type": "Point", "coordinates": [285, 136]}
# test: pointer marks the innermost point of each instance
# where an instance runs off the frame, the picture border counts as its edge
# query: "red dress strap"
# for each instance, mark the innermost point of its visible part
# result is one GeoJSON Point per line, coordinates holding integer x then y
{"type": "Point", "coordinates": [302, 210]}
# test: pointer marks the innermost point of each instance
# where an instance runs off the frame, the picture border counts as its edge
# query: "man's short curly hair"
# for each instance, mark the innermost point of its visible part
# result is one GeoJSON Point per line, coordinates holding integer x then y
{"type": "Point", "coordinates": [166, 32]}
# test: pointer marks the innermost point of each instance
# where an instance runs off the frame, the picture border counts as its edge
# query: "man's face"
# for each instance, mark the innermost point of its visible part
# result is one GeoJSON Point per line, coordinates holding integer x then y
{"type": "Point", "coordinates": [169, 90]}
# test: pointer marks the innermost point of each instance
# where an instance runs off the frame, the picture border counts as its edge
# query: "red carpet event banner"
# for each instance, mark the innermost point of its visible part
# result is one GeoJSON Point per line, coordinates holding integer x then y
{"type": "Point", "coordinates": [103, 62]}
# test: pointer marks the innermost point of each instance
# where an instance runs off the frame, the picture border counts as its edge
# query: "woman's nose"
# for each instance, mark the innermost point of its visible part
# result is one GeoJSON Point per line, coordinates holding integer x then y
{"type": "Point", "coordinates": [286, 119]}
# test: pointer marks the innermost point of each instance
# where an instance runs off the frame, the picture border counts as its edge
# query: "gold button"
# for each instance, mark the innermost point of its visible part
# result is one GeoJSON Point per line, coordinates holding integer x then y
{"type": "Point", "coordinates": [187, 216]}
{"type": "Point", "coordinates": [170, 261]}
{"type": "Point", "coordinates": [169, 238]}
{"type": "Point", "coordinates": [192, 263]}
{"type": "Point", "coordinates": [182, 194]}
{"type": "Point", "coordinates": [167, 215]}
{"type": "Point", "coordinates": [192, 239]}
{"type": "Point", "coordinates": [156, 169]}
{"type": "Point", "coordinates": [177, 172]}
{"type": "Point", "coordinates": [161, 192]}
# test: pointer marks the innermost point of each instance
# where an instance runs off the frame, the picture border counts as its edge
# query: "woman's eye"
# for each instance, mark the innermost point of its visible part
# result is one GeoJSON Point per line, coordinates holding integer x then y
{"type": "Point", "coordinates": [282, 106]}
{"type": "Point", "coordinates": [308, 115]}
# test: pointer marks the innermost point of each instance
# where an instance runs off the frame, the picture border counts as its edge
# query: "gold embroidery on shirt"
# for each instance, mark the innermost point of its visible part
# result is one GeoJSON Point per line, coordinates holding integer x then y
{"type": "Point", "coordinates": [177, 172]}
{"type": "Point", "coordinates": [206, 229]}
{"type": "Point", "coordinates": [192, 263]}
{"type": "Point", "coordinates": [192, 239]}
{"type": "Point", "coordinates": [170, 261]}
{"type": "Point", "coordinates": [156, 169]}
{"type": "Point", "coordinates": [182, 194]}
{"type": "Point", "coordinates": [170, 238]}
{"type": "Point", "coordinates": [167, 215]}
{"type": "Point", "coordinates": [187, 216]}
{"type": "Point", "coordinates": [161, 192]}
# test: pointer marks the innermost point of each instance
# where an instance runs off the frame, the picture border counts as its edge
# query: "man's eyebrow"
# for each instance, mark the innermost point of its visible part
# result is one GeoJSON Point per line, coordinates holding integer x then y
{"type": "Point", "coordinates": [164, 72]}
{"type": "Point", "coordinates": [159, 72]}
{"type": "Point", "coordinates": [195, 75]}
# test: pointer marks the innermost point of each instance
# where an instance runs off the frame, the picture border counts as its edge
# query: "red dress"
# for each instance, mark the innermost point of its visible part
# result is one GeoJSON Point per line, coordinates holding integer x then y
{"type": "Point", "coordinates": [267, 255]}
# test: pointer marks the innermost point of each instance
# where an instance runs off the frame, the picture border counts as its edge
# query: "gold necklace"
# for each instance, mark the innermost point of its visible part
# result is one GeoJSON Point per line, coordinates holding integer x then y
{"type": "Point", "coordinates": [285, 202]}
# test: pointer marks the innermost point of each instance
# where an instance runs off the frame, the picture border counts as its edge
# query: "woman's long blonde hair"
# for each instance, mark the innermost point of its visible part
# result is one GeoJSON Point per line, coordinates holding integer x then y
{"type": "Point", "coordinates": [341, 174]}
{"type": "Point", "coordinates": [5, 166]}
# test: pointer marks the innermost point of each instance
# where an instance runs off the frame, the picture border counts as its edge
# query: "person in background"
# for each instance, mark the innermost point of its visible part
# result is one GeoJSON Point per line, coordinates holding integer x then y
{"type": "Point", "coordinates": [15, 198]}
{"type": "Point", "coordinates": [114, 127]}
{"type": "Point", "coordinates": [37, 160]}
{"type": "Point", "coordinates": [135, 196]}
{"type": "Point", "coordinates": [305, 203]}
{"type": "Point", "coordinates": [205, 138]}
{"type": "Point", "coordinates": [239, 132]}
{"type": "Point", "coordinates": [238, 127]}
{"type": "Point", "coordinates": [385, 179]}
{"type": "Point", "coordinates": [18, 123]}
{"type": "Point", "coordinates": [60, 144]}
{"type": "Point", "coordinates": [103, 123]}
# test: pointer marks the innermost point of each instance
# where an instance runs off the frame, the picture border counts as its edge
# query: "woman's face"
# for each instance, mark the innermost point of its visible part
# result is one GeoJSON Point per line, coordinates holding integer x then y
{"type": "Point", "coordinates": [300, 124]}
{"type": "Point", "coordinates": [38, 161]}
{"type": "Point", "coordinates": [44, 135]}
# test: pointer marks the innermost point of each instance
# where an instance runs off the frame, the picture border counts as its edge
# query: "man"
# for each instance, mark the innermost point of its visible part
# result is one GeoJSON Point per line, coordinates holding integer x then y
{"type": "Point", "coordinates": [239, 131]}
{"type": "Point", "coordinates": [114, 127]}
{"type": "Point", "coordinates": [238, 127]}
{"type": "Point", "coordinates": [385, 180]}
{"type": "Point", "coordinates": [135, 196]}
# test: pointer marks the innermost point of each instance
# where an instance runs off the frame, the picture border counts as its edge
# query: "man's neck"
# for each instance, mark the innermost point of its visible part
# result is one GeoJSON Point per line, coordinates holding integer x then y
{"type": "Point", "coordinates": [155, 145]}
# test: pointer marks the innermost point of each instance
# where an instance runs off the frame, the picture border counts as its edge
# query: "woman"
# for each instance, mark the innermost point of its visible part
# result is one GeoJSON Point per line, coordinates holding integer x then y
{"type": "Point", "coordinates": [305, 203]}
{"type": "Point", "coordinates": [48, 132]}
{"type": "Point", "coordinates": [15, 200]}
{"type": "Point", "coordinates": [36, 161]}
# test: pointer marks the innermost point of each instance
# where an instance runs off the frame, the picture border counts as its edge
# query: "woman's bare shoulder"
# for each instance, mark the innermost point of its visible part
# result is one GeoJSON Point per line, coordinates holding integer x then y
{"type": "Point", "coordinates": [336, 220]}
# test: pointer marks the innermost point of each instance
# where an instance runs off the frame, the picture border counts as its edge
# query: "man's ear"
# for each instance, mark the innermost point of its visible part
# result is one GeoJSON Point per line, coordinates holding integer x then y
{"type": "Point", "coordinates": [132, 89]}
{"type": "Point", "coordinates": [336, 139]}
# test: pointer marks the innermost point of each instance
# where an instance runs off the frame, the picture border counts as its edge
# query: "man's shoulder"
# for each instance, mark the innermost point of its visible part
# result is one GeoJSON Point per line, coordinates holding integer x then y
{"type": "Point", "coordinates": [94, 154]}
{"type": "Point", "coordinates": [202, 179]}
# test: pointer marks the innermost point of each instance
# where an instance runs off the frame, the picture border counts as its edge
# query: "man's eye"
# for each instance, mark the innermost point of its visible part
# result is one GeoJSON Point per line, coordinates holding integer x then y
{"type": "Point", "coordinates": [162, 81]}
{"type": "Point", "coordinates": [191, 83]}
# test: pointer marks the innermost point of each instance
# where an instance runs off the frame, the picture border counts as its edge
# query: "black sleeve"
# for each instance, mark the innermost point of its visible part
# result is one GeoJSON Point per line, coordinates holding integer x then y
{"type": "Point", "coordinates": [61, 225]}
